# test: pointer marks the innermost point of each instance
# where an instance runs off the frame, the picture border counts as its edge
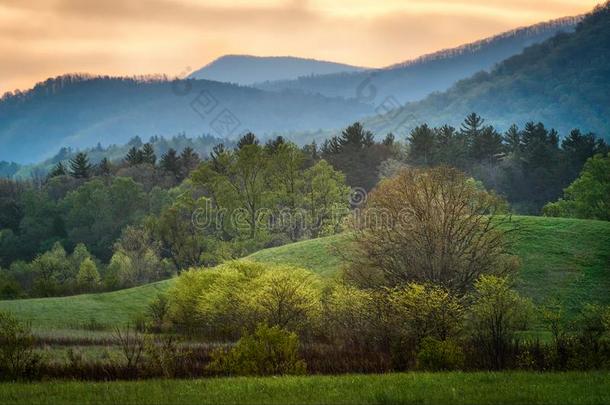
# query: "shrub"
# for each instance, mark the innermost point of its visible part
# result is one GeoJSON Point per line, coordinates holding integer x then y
{"type": "Point", "coordinates": [420, 311]}
{"type": "Point", "coordinates": [237, 295]}
{"type": "Point", "coordinates": [496, 314]}
{"type": "Point", "coordinates": [349, 315]}
{"type": "Point", "coordinates": [163, 355]}
{"type": "Point", "coordinates": [439, 355]}
{"type": "Point", "coordinates": [157, 312]}
{"type": "Point", "coordinates": [288, 297]}
{"type": "Point", "coordinates": [268, 351]}
{"type": "Point", "coordinates": [131, 342]}
{"type": "Point", "coordinates": [17, 357]}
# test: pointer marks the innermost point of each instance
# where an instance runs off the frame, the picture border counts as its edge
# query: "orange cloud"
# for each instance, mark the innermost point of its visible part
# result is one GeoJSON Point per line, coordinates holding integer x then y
{"type": "Point", "coordinates": [42, 38]}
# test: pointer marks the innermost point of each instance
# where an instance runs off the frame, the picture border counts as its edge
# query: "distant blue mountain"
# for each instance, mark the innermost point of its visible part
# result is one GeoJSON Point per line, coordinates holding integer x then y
{"type": "Point", "coordinates": [415, 79]}
{"type": "Point", "coordinates": [563, 82]}
{"type": "Point", "coordinates": [80, 111]}
{"type": "Point", "coordinates": [247, 70]}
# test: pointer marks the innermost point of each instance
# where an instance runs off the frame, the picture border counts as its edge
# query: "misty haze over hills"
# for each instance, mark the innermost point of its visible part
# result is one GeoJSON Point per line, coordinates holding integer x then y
{"type": "Point", "coordinates": [562, 81]}
{"type": "Point", "coordinates": [80, 111]}
{"type": "Point", "coordinates": [248, 70]}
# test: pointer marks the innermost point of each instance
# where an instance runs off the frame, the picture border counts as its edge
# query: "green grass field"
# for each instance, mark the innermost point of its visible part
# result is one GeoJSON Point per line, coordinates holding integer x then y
{"type": "Point", "coordinates": [410, 388]}
{"type": "Point", "coordinates": [565, 258]}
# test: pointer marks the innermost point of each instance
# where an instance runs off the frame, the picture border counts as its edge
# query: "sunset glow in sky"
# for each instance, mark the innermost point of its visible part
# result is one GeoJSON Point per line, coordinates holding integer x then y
{"type": "Point", "coordinates": [43, 38]}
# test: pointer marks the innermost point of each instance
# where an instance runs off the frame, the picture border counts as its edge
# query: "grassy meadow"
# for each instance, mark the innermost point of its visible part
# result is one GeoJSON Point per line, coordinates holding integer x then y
{"type": "Point", "coordinates": [399, 388]}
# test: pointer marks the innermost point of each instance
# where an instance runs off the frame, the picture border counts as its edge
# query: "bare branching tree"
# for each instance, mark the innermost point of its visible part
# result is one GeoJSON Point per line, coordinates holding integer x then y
{"type": "Point", "coordinates": [132, 345]}
{"type": "Point", "coordinates": [429, 226]}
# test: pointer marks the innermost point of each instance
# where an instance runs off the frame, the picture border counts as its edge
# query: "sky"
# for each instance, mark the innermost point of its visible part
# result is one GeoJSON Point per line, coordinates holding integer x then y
{"type": "Point", "coordinates": [46, 38]}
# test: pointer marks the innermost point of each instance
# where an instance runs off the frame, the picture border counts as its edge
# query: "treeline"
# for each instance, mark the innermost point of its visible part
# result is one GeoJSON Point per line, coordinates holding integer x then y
{"type": "Point", "coordinates": [201, 145]}
{"type": "Point", "coordinates": [145, 218]}
{"type": "Point", "coordinates": [529, 166]}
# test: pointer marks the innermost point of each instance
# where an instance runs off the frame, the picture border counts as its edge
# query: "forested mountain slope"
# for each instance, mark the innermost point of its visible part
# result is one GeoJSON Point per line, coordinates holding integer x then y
{"type": "Point", "coordinates": [563, 81]}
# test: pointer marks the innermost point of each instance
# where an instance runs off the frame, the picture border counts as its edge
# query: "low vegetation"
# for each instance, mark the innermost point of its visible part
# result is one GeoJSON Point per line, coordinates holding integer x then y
{"type": "Point", "coordinates": [585, 388]}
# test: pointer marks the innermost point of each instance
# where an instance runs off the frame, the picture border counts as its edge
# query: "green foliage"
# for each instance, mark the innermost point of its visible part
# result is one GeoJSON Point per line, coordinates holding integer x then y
{"type": "Point", "coordinates": [496, 314]}
{"type": "Point", "coordinates": [439, 355]}
{"type": "Point", "coordinates": [350, 315]}
{"type": "Point", "coordinates": [88, 278]}
{"type": "Point", "coordinates": [80, 167]}
{"type": "Point", "coordinates": [164, 355]}
{"type": "Point", "coordinates": [237, 295]}
{"type": "Point", "coordinates": [356, 154]}
{"type": "Point", "coordinates": [420, 311]}
{"type": "Point", "coordinates": [268, 351]}
{"type": "Point", "coordinates": [589, 195]}
{"type": "Point", "coordinates": [286, 297]}
{"type": "Point", "coordinates": [17, 357]}
{"type": "Point", "coordinates": [96, 212]}
{"type": "Point", "coordinates": [53, 272]}
{"type": "Point", "coordinates": [157, 311]}
{"type": "Point", "coordinates": [457, 388]}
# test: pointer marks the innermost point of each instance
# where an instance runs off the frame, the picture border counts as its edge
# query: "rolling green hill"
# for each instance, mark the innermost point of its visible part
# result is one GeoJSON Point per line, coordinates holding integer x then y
{"type": "Point", "coordinates": [564, 258]}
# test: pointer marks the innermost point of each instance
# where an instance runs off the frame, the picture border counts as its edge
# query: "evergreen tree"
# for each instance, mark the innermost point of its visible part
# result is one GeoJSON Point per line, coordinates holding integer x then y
{"type": "Point", "coordinates": [355, 136]}
{"type": "Point", "coordinates": [80, 167]}
{"type": "Point", "coordinates": [389, 139]}
{"type": "Point", "coordinates": [422, 142]}
{"type": "Point", "coordinates": [472, 125]}
{"type": "Point", "coordinates": [189, 160]}
{"type": "Point", "coordinates": [247, 139]}
{"type": "Point", "coordinates": [133, 157]}
{"type": "Point", "coordinates": [58, 170]}
{"type": "Point", "coordinates": [487, 146]}
{"type": "Point", "coordinates": [471, 129]}
{"type": "Point", "coordinates": [272, 145]}
{"type": "Point", "coordinates": [104, 168]}
{"type": "Point", "coordinates": [512, 139]}
{"type": "Point", "coordinates": [148, 154]}
{"type": "Point", "coordinates": [170, 162]}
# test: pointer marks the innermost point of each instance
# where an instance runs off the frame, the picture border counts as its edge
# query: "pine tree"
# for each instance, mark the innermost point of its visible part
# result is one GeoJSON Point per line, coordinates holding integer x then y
{"type": "Point", "coordinates": [148, 154]}
{"type": "Point", "coordinates": [104, 168]}
{"type": "Point", "coordinates": [170, 162]}
{"type": "Point", "coordinates": [487, 146]}
{"type": "Point", "coordinates": [422, 141]}
{"type": "Point", "coordinates": [472, 125]}
{"type": "Point", "coordinates": [247, 139]}
{"type": "Point", "coordinates": [58, 170]}
{"type": "Point", "coordinates": [512, 139]}
{"type": "Point", "coordinates": [189, 160]}
{"type": "Point", "coordinates": [272, 145]}
{"type": "Point", "coordinates": [389, 139]}
{"type": "Point", "coordinates": [133, 157]}
{"type": "Point", "coordinates": [80, 167]}
{"type": "Point", "coordinates": [356, 136]}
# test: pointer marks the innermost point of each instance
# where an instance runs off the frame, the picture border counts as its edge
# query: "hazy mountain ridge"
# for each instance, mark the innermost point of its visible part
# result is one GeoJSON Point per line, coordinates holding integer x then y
{"type": "Point", "coordinates": [249, 69]}
{"type": "Point", "coordinates": [80, 111]}
{"type": "Point", "coordinates": [415, 79]}
{"type": "Point", "coordinates": [562, 81]}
